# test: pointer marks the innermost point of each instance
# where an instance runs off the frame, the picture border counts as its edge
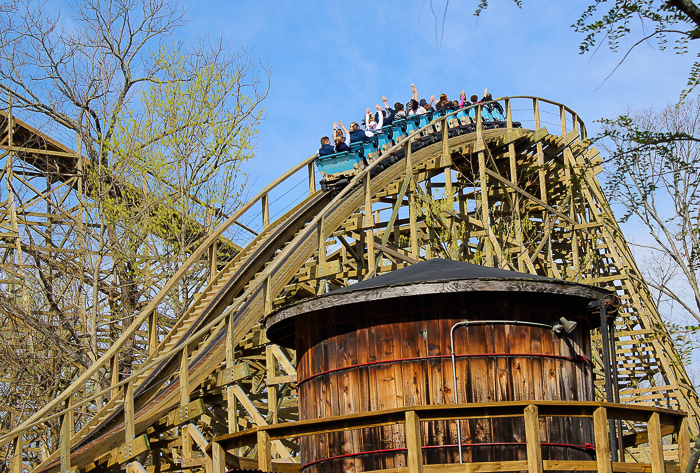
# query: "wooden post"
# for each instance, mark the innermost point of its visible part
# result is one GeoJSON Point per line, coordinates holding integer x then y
{"type": "Point", "coordinates": [656, 448]}
{"type": "Point", "coordinates": [266, 210]}
{"type": "Point", "coordinates": [17, 458]}
{"type": "Point", "coordinates": [267, 295]}
{"type": "Point", "coordinates": [271, 388]}
{"type": "Point", "coordinates": [129, 428]}
{"type": "Point", "coordinates": [683, 444]}
{"type": "Point", "coordinates": [312, 179]}
{"type": "Point", "coordinates": [320, 233]}
{"type": "Point", "coordinates": [369, 224]}
{"type": "Point", "coordinates": [71, 418]}
{"type": "Point", "coordinates": [152, 332]}
{"type": "Point", "coordinates": [413, 442]}
{"type": "Point", "coordinates": [184, 377]}
{"type": "Point", "coordinates": [218, 457]}
{"type": "Point", "coordinates": [532, 437]}
{"type": "Point", "coordinates": [115, 375]}
{"type": "Point", "coordinates": [264, 451]}
{"type": "Point", "coordinates": [213, 262]}
{"type": "Point", "coordinates": [230, 362]}
{"type": "Point", "coordinates": [65, 444]}
{"type": "Point", "coordinates": [562, 116]}
{"type": "Point", "coordinates": [602, 442]}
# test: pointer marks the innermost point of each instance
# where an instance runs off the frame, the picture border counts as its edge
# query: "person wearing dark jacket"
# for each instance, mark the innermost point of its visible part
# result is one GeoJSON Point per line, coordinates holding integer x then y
{"type": "Point", "coordinates": [358, 135]}
{"type": "Point", "coordinates": [326, 148]}
{"type": "Point", "coordinates": [342, 143]}
{"type": "Point", "coordinates": [388, 113]}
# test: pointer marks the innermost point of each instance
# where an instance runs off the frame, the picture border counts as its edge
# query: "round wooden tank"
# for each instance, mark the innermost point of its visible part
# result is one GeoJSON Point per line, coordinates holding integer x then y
{"type": "Point", "coordinates": [385, 343]}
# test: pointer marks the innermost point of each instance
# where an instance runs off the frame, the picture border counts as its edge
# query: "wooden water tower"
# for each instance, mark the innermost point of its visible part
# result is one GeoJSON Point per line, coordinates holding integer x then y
{"type": "Point", "coordinates": [386, 343]}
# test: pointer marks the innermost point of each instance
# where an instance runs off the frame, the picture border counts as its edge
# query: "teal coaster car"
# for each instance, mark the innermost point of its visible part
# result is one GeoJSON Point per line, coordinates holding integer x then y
{"type": "Point", "coordinates": [337, 169]}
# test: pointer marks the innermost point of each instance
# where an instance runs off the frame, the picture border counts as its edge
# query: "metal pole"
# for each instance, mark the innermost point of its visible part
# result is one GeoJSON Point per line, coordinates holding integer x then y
{"type": "Point", "coordinates": [454, 370]}
{"type": "Point", "coordinates": [606, 365]}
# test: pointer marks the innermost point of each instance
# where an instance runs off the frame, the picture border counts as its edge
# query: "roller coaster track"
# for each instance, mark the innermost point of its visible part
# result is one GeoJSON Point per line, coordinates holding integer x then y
{"type": "Point", "coordinates": [515, 198]}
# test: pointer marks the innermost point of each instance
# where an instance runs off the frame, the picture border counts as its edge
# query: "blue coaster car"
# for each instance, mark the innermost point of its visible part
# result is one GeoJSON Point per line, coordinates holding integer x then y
{"type": "Point", "coordinates": [398, 129]}
{"type": "Point", "coordinates": [498, 115]}
{"type": "Point", "coordinates": [384, 139]}
{"type": "Point", "coordinates": [412, 123]}
{"type": "Point", "coordinates": [424, 119]}
{"type": "Point", "coordinates": [339, 164]}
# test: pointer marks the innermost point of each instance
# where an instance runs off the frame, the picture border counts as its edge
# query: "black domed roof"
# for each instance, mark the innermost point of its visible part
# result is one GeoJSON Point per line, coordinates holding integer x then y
{"type": "Point", "coordinates": [437, 270]}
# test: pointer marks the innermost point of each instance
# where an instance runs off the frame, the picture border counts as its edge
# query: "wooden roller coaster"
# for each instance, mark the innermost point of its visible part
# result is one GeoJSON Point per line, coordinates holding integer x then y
{"type": "Point", "coordinates": [210, 390]}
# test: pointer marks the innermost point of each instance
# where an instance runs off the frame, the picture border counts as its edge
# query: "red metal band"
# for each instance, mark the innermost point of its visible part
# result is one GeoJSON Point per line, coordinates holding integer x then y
{"type": "Point", "coordinates": [587, 447]}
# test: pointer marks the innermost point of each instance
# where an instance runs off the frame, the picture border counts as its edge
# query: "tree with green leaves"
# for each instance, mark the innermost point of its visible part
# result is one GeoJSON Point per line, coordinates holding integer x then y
{"type": "Point", "coordinates": [163, 129]}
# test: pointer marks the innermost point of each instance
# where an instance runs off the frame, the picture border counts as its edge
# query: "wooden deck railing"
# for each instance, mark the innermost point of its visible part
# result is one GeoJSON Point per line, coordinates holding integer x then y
{"type": "Point", "coordinates": [660, 423]}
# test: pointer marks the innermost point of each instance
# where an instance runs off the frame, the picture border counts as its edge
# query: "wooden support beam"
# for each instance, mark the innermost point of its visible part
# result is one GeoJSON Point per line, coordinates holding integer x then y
{"type": "Point", "coordinates": [312, 178]}
{"type": "Point", "coordinates": [602, 442]}
{"type": "Point", "coordinates": [532, 438]}
{"type": "Point", "coordinates": [271, 389]}
{"type": "Point", "coordinates": [369, 223]}
{"type": "Point", "coordinates": [64, 444]}
{"type": "Point", "coordinates": [683, 444]}
{"type": "Point", "coordinates": [264, 451]}
{"type": "Point", "coordinates": [413, 442]}
{"type": "Point", "coordinates": [17, 466]}
{"type": "Point", "coordinates": [152, 332]}
{"type": "Point", "coordinates": [129, 427]}
{"type": "Point", "coordinates": [656, 448]}
{"type": "Point", "coordinates": [265, 209]}
{"type": "Point", "coordinates": [218, 456]}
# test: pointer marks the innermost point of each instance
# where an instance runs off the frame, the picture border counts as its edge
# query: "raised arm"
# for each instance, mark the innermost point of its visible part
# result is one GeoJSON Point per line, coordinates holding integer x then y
{"type": "Point", "coordinates": [380, 119]}
{"type": "Point", "coordinates": [347, 133]}
{"type": "Point", "coordinates": [386, 105]}
{"type": "Point", "coordinates": [462, 99]}
{"type": "Point", "coordinates": [415, 92]}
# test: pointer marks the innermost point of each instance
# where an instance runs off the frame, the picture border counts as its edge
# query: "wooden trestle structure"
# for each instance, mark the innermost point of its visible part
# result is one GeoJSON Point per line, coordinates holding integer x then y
{"type": "Point", "coordinates": [210, 390]}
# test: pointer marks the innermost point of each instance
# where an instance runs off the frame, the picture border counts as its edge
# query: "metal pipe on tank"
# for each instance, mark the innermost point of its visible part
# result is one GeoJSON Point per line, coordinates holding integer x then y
{"type": "Point", "coordinates": [454, 369]}
{"type": "Point", "coordinates": [609, 393]}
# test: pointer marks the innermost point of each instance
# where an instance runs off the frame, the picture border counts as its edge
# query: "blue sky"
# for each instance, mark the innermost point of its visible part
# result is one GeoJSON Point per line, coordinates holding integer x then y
{"type": "Point", "coordinates": [330, 60]}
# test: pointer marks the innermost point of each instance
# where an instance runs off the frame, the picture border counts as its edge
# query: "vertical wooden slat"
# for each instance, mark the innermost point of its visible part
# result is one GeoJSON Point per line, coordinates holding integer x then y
{"type": "Point", "coordinates": [152, 332]}
{"type": "Point", "coordinates": [413, 443]}
{"type": "Point", "coordinates": [368, 224]}
{"type": "Point", "coordinates": [532, 438]}
{"type": "Point", "coordinates": [213, 261]}
{"type": "Point", "coordinates": [218, 457]}
{"type": "Point", "coordinates": [184, 377]}
{"type": "Point", "coordinates": [271, 388]}
{"type": "Point", "coordinates": [265, 210]}
{"type": "Point", "coordinates": [312, 179]}
{"type": "Point", "coordinates": [656, 448]}
{"type": "Point", "coordinates": [129, 429]}
{"type": "Point", "coordinates": [412, 219]}
{"type": "Point", "coordinates": [562, 117]}
{"type": "Point", "coordinates": [114, 375]}
{"type": "Point", "coordinates": [230, 362]}
{"type": "Point", "coordinates": [683, 444]}
{"type": "Point", "coordinates": [264, 451]}
{"type": "Point", "coordinates": [602, 443]}
{"type": "Point", "coordinates": [71, 418]}
{"type": "Point", "coordinates": [321, 235]}
{"type": "Point", "coordinates": [17, 458]}
{"type": "Point", "coordinates": [65, 444]}
{"type": "Point", "coordinates": [267, 296]}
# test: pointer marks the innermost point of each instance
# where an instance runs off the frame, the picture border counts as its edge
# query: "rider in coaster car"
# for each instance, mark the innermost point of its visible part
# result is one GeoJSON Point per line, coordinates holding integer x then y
{"type": "Point", "coordinates": [326, 148]}
{"type": "Point", "coordinates": [342, 143]}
